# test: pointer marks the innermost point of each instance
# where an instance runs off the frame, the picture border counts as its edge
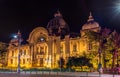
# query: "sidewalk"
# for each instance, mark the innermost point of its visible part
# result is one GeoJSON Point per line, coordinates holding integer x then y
{"type": "Point", "coordinates": [54, 74]}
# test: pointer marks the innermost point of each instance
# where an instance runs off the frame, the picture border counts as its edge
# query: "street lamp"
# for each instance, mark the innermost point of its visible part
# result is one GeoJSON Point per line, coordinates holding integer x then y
{"type": "Point", "coordinates": [99, 65]}
{"type": "Point", "coordinates": [18, 39]}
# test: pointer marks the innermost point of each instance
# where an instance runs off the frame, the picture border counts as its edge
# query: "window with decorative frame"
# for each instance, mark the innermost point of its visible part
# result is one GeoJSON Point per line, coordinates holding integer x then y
{"type": "Point", "coordinates": [74, 47]}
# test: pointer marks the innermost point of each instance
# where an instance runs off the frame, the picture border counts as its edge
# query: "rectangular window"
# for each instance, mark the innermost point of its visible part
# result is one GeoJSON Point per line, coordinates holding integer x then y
{"type": "Point", "coordinates": [61, 49]}
{"type": "Point", "coordinates": [11, 61]}
{"type": "Point", "coordinates": [37, 49]}
{"type": "Point", "coordinates": [74, 48]}
{"type": "Point", "coordinates": [41, 50]}
{"type": "Point", "coordinates": [12, 53]}
{"type": "Point", "coordinates": [24, 52]}
{"type": "Point", "coordinates": [41, 62]}
{"type": "Point", "coordinates": [90, 46]}
{"type": "Point", "coordinates": [23, 61]}
{"type": "Point", "coordinates": [21, 52]}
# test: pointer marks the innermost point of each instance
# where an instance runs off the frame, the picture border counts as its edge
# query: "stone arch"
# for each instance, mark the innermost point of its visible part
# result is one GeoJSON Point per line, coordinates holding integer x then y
{"type": "Point", "coordinates": [36, 33]}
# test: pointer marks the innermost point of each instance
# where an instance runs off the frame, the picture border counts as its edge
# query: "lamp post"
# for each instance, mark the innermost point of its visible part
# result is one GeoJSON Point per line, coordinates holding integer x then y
{"type": "Point", "coordinates": [99, 65]}
{"type": "Point", "coordinates": [18, 67]}
{"type": "Point", "coordinates": [60, 60]}
{"type": "Point", "coordinates": [18, 38]}
{"type": "Point", "coordinates": [60, 64]}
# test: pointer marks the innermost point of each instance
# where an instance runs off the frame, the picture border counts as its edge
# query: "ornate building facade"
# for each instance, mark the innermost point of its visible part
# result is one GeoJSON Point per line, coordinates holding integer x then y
{"type": "Point", "coordinates": [47, 45]}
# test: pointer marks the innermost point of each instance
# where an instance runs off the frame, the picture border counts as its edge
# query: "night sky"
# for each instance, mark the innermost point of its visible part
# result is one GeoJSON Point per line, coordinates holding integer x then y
{"type": "Point", "coordinates": [25, 15]}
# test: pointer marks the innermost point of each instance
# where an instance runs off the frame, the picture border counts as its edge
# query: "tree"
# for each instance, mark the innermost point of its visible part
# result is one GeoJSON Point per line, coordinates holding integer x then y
{"type": "Point", "coordinates": [61, 62]}
{"type": "Point", "coordinates": [69, 63]}
{"type": "Point", "coordinates": [79, 61]}
{"type": "Point", "coordinates": [92, 36]}
{"type": "Point", "coordinates": [3, 53]}
{"type": "Point", "coordinates": [115, 41]}
{"type": "Point", "coordinates": [101, 38]}
{"type": "Point", "coordinates": [104, 35]}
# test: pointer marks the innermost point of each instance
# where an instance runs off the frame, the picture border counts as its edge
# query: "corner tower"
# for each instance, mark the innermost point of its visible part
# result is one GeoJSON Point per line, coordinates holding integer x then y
{"type": "Point", "coordinates": [90, 25]}
{"type": "Point", "coordinates": [57, 26]}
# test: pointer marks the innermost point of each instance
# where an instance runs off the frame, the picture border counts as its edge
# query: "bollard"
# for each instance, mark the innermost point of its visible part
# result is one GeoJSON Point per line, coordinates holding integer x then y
{"type": "Point", "coordinates": [86, 74]}
{"type": "Point", "coordinates": [30, 72]}
{"type": "Point", "coordinates": [42, 72]}
{"type": "Point", "coordinates": [57, 73]}
{"type": "Point", "coordinates": [36, 72]}
{"type": "Point", "coordinates": [49, 73]}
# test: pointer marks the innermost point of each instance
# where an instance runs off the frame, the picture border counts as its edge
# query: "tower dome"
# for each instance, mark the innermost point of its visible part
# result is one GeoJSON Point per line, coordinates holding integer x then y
{"type": "Point", "coordinates": [91, 24]}
{"type": "Point", "coordinates": [57, 25]}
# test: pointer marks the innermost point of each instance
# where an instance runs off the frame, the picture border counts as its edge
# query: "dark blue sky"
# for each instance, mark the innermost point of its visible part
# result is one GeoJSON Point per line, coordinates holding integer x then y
{"type": "Point", "coordinates": [25, 15]}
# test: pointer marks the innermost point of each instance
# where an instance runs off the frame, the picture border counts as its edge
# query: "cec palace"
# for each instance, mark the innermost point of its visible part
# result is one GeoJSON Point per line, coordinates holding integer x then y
{"type": "Point", "coordinates": [47, 45]}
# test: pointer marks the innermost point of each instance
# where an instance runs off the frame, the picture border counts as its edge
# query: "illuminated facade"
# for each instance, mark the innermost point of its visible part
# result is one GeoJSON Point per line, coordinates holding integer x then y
{"type": "Point", "coordinates": [46, 45]}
